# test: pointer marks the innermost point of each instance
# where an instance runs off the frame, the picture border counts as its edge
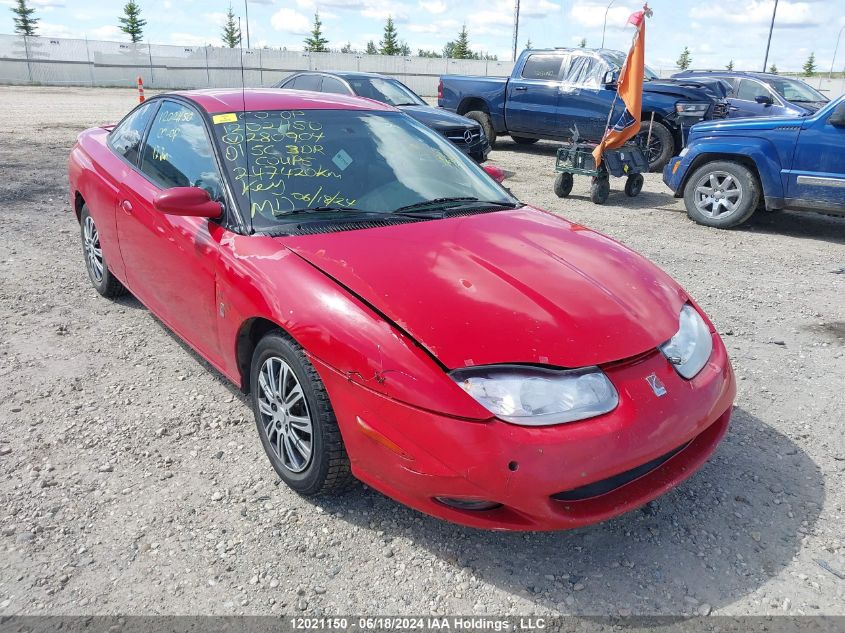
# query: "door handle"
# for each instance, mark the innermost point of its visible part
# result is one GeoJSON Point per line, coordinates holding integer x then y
{"type": "Point", "coordinates": [126, 206]}
{"type": "Point", "coordinates": [521, 88]}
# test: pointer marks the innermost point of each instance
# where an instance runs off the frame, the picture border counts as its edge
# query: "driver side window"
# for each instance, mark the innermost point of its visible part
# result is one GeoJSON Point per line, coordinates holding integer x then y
{"type": "Point", "coordinates": [749, 89]}
{"type": "Point", "coordinates": [178, 152]}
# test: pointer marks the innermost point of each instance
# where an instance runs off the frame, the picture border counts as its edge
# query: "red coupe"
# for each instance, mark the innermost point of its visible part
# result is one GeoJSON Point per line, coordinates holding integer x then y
{"type": "Point", "coordinates": [398, 316]}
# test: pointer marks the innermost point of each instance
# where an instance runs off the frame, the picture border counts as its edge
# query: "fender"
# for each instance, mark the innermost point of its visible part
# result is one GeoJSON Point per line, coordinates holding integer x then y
{"type": "Point", "coordinates": [758, 153]}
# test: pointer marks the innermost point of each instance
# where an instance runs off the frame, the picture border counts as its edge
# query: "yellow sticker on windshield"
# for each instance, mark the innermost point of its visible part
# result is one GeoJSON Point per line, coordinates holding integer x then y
{"type": "Point", "coordinates": [231, 117]}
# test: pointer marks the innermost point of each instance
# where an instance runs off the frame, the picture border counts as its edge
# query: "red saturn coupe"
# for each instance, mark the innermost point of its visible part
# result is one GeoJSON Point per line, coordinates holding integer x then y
{"type": "Point", "coordinates": [397, 315]}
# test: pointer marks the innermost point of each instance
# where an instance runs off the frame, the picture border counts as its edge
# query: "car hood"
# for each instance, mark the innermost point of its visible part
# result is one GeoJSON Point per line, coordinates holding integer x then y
{"type": "Point", "coordinates": [437, 118]}
{"type": "Point", "coordinates": [749, 124]}
{"type": "Point", "coordinates": [521, 286]}
{"type": "Point", "coordinates": [686, 89]}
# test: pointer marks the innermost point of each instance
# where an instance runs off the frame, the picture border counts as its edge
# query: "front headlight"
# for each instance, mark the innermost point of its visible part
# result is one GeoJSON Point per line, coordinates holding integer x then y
{"type": "Point", "coordinates": [534, 396]}
{"type": "Point", "coordinates": [685, 108]}
{"type": "Point", "coordinates": [691, 346]}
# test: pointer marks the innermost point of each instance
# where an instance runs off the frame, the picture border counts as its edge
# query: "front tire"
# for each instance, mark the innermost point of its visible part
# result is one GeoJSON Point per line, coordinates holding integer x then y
{"type": "Point", "coordinates": [660, 147]}
{"type": "Point", "coordinates": [486, 123]}
{"type": "Point", "coordinates": [295, 420]}
{"type": "Point", "coordinates": [600, 190]}
{"type": "Point", "coordinates": [95, 262]}
{"type": "Point", "coordinates": [563, 184]}
{"type": "Point", "coordinates": [721, 194]}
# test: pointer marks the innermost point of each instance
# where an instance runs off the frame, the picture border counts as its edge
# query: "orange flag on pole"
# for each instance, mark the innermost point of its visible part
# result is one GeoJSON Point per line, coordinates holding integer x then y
{"type": "Point", "coordinates": [629, 89]}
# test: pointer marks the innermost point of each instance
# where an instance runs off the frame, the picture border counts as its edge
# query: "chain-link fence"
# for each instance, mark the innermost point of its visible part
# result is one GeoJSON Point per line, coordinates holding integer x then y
{"type": "Point", "coordinates": [58, 61]}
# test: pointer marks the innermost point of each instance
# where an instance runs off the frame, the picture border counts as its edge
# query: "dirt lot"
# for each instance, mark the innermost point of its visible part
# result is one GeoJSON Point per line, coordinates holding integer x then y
{"type": "Point", "coordinates": [132, 479]}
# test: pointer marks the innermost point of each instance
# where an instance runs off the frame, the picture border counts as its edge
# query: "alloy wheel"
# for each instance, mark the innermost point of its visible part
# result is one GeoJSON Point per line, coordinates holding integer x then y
{"type": "Point", "coordinates": [718, 194]}
{"type": "Point", "coordinates": [93, 251]}
{"type": "Point", "coordinates": [285, 417]}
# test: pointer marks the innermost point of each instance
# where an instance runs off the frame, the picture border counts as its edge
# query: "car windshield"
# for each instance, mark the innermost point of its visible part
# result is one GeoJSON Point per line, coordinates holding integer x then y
{"type": "Point", "coordinates": [285, 163]}
{"type": "Point", "coordinates": [796, 91]}
{"type": "Point", "coordinates": [616, 59]}
{"type": "Point", "coordinates": [387, 91]}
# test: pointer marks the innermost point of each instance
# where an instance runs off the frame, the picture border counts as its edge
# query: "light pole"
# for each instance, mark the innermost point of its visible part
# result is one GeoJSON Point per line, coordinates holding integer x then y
{"type": "Point", "coordinates": [769, 43]}
{"type": "Point", "coordinates": [515, 28]}
{"type": "Point", "coordinates": [246, 16]}
{"type": "Point", "coordinates": [835, 50]}
{"type": "Point", "coordinates": [606, 11]}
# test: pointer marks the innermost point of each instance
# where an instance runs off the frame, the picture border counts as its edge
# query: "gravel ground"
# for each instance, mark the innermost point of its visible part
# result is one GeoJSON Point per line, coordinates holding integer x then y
{"type": "Point", "coordinates": [132, 480]}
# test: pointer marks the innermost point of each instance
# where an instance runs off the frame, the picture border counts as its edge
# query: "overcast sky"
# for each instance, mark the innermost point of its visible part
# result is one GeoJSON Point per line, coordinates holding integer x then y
{"type": "Point", "coordinates": [716, 31]}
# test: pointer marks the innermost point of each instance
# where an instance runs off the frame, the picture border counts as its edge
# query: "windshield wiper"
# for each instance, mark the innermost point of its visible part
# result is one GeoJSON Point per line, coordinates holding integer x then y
{"type": "Point", "coordinates": [329, 210]}
{"type": "Point", "coordinates": [418, 208]}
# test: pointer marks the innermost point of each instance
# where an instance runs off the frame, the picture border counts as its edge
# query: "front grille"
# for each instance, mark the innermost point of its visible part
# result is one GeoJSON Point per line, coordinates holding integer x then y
{"type": "Point", "coordinates": [617, 481]}
{"type": "Point", "coordinates": [458, 135]}
{"type": "Point", "coordinates": [720, 110]}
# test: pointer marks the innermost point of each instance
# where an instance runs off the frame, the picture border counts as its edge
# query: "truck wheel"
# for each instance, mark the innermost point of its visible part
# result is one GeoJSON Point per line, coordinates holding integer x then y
{"type": "Point", "coordinates": [483, 119]}
{"type": "Point", "coordinates": [721, 194]}
{"type": "Point", "coordinates": [563, 185]}
{"type": "Point", "coordinates": [661, 145]}
{"type": "Point", "coordinates": [524, 140]}
{"type": "Point", "coordinates": [600, 190]}
{"type": "Point", "coordinates": [633, 185]}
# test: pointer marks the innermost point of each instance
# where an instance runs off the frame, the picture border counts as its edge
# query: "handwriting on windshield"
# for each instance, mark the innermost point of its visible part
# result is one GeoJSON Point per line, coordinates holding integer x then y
{"type": "Point", "coordinates": [279, 162]}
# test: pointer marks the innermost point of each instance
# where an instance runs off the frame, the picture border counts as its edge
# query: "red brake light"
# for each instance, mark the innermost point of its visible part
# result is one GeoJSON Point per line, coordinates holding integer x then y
{"type": "Point", "coordinates": [440, 89]}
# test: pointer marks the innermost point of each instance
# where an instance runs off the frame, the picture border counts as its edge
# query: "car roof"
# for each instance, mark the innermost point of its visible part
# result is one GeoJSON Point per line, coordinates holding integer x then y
{"type": "Point", "coordinates": [732, 73]}
{"type": "Point", "coordinates": [236, 100]}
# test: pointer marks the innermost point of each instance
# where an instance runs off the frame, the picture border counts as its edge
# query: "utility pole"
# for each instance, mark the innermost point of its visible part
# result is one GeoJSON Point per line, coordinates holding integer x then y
{"type": "Point", "coordinates": [769, 43]}
{"type": "Point", "coordinates": [603, 28]}
{"type": "Point", "coordinates": [515, 28]}
{"type": "Point", "coordinates": [246, 16]}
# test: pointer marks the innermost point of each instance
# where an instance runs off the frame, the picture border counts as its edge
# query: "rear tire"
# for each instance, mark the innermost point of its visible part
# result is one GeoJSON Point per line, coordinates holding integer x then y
{"type": "Point", "coordinates": [486, 123]}
{"type": "Point", "coordinates": [721, 194]}
{"type": "Point", "coordinates": [295, 420]}
{"type": "Point", "coordinates": [563, 185]}
{"type": "Point", "coordinates": [524, 140]}
{"type": "Point", "coordinates": [661, 145]}
{"type": "Point", "coordinates": [95, 262]}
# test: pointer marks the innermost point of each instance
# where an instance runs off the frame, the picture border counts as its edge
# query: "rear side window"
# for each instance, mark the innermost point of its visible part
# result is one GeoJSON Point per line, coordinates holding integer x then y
{"type": "Point", "coordinates": [330, 84]}
{"type": "Point", "coordinates": [178, 152]}
{"type": "Point", "coordinates": [542, 67]}
{"type": "Point", "coordinates": [307, 82]}
{"type": "Point", "coordinates": [126, 138]}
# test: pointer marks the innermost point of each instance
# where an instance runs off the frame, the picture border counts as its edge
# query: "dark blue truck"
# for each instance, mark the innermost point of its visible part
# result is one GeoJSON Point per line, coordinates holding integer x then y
{"type": "Point", "coordinates": [551, 93]}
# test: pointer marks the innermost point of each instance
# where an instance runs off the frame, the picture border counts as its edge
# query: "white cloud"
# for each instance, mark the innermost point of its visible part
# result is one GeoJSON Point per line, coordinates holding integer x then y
{"type": "Point", "coordinates": [591, 14]}
{"type": "Point", "coordinates": [434, 6]}
{"type": "Point", "coordinates": [290, 21]}
{"type": "Point", "coordinates": [48, 29]}
{"type": "Point", "coordinates": [107, 32]}
{"type": "Point", "coordinates": [759, 13]}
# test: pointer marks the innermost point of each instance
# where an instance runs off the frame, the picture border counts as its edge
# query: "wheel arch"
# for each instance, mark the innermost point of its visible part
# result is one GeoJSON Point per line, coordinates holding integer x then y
{"type": "Point", "coordinates": [469, 104]}
{"type": "Point", "coordinates": [78, 203]}
{"type": "Point", "coordinates": [703, 159]}
{"type": "Point", "coordinates": [249, 334]}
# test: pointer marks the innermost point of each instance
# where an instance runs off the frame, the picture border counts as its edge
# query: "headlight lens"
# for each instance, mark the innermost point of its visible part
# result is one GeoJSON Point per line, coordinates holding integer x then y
{"type": "Point", "coordinates": [533, 396]}
{"type": "Point", "coordinates": [691, 346]}
{"type": "Point", "coordinates": [685, 108]}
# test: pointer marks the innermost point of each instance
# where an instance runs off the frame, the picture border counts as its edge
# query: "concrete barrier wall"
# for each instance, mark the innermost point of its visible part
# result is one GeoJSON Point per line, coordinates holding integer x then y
{"type": "Point", "coordinates": [58, 61]}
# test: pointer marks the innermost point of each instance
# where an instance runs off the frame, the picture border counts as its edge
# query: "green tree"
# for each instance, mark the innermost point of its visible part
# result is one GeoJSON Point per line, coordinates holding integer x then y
{"type": "Point", "coordinates": [730, 65]}
{"type": "Point", "coordinates": [389, 44]}
{"type": "Point", "coordinates": [773, 69]}
{"type": "Point", "coordinates": [582, 43]}
{"type": "Point", "coordinates": [405, 50]}
{"type": "Point", "coordinates": [231, 30]}
{"type": "Point", "coordinates": [315, 42]}
{"type": "Point", "coordinates": [685, 60]}
{"type": "Point", "coordinates": [528, 44]}
{"type": "Point", "coordinates": [810, 65]}
{"type": "Point", "coordinates": [372, 49]}
{"type": "Point", "coordinates": [25, 23]}
{"type": "Point", "coordinates": [459, 47]}
{"type": "Point", "coordinates": [424, 53]}
{"type": "Point", "coordinates": [131, 22]}
{"type": "Point", "coordinates": [347, 48]}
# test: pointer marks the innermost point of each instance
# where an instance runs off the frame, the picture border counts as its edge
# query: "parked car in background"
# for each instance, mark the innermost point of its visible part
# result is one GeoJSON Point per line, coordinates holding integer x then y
{"type": "Point", "coordinates": [396, 315]}
{"type": "Point", "coordinates": [763, 94]}
{"type": "Point", "coordinates": [552, 92]}
{"type": "Point", "coordinates": [729, 169]}
{"type": "Point", "coordinates": [467, 135]}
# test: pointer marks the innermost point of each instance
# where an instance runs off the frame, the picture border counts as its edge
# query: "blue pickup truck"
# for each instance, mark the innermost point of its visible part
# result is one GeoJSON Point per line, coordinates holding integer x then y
{"type": "Point", "coordinates": [731, 168]}
{"type": "Point", "coordinates": [552, 93]}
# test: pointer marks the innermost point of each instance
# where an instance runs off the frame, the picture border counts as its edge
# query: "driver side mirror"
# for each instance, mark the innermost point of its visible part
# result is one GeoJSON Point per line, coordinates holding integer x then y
{"type": "Point", "coordinates": [611, 78]}
{"type": "Point", "coordinates": [187, 201]}
{"type": "Point", "coordinates": [764, 100]}
{"type": "Point", "coordinates": [837, 119]}
{"type": "Point", "coordinates": [496, 173]}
